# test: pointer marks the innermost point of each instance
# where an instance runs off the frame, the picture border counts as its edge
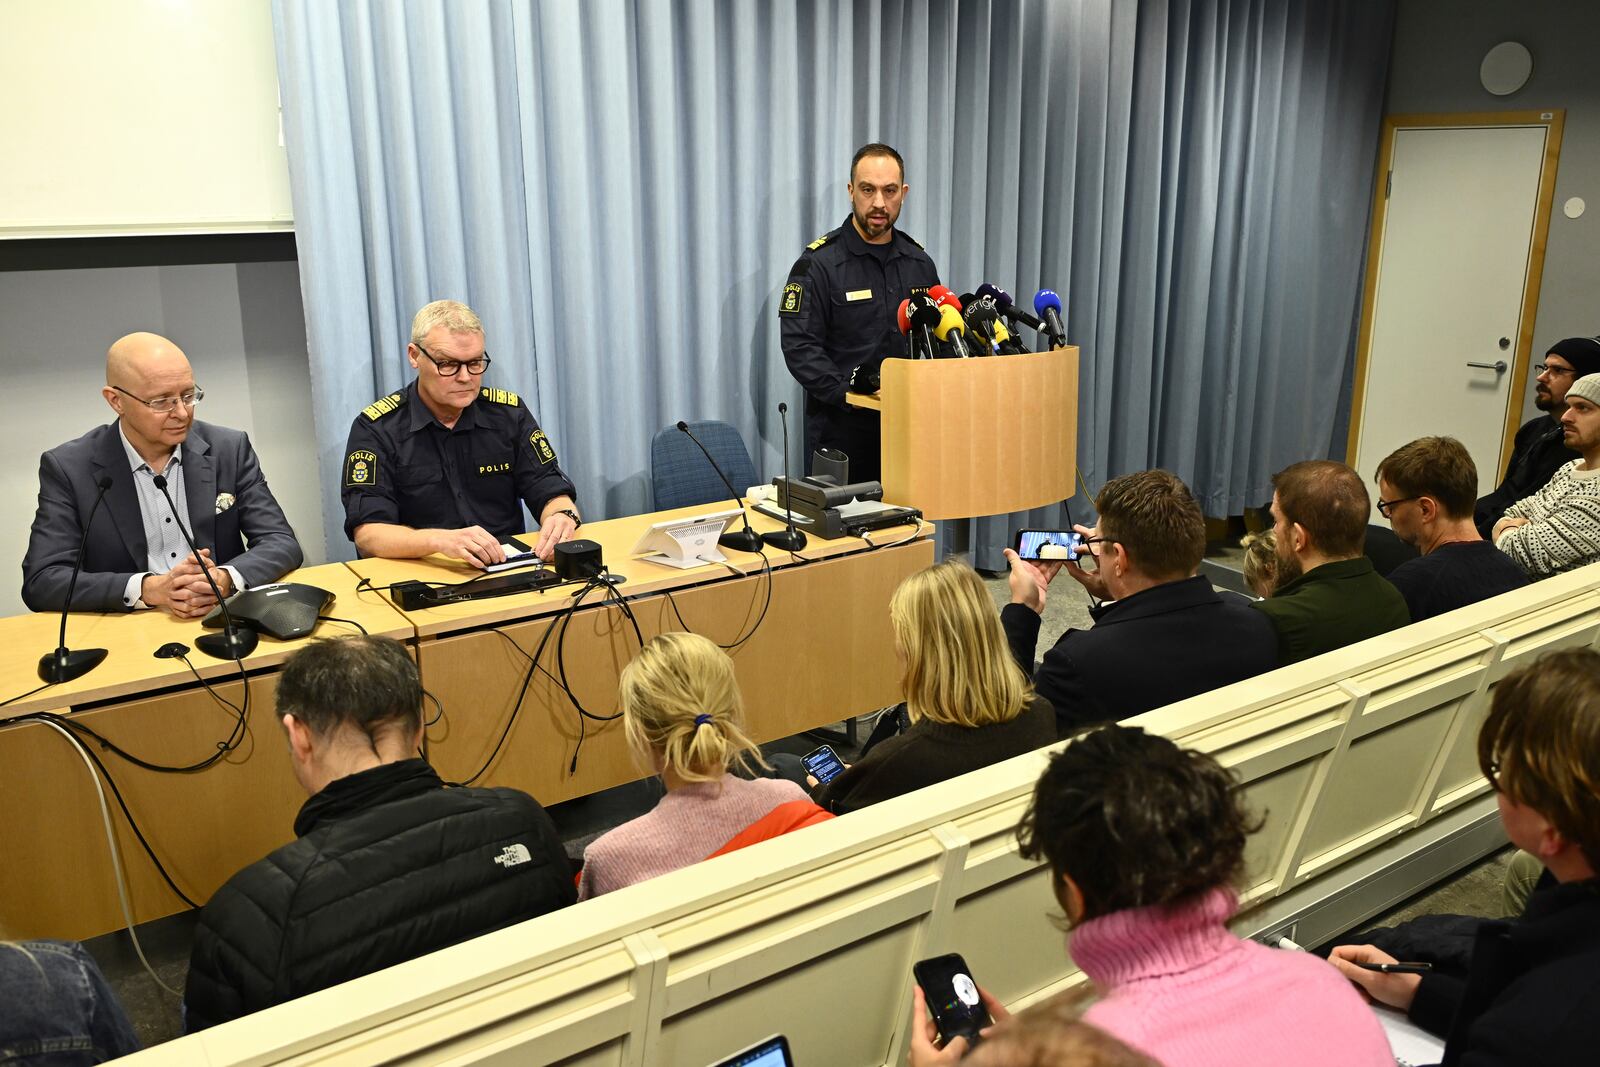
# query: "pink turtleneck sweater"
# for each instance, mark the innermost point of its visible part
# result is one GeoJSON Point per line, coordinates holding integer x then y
{"type": "Point", "coordinates": [1178, 985]}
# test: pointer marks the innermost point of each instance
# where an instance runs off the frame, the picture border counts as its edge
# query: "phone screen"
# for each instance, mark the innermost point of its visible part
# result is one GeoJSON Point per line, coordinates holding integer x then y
{"type": "Point", "coordinates": [1049, 544]}
{"type": "Point", "coordinates": [823, 763]}
{"type": "Point", "coordinates": [952, 997]}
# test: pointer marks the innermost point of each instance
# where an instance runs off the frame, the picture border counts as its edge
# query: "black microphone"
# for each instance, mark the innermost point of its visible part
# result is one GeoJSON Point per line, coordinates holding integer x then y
{"type": "Point", "coordinates": [979, 316]}
{"type": "Point", "coordinates": [924, 313]}
{"type": "Point", "coordinates": [233, 642]}
{"type": "Point", "coordinates": [746, 540]}
{"type": "Point", "coordinates": [1008, 307]}
{"type": "Point", "coordinates": [790, 540]}
{"type": "Point", "coordinates": [63, 665]}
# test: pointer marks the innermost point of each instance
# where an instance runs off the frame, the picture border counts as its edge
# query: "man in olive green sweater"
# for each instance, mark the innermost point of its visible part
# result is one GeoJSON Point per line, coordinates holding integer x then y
{"type": "Point", "coordinates": [1328, 594]}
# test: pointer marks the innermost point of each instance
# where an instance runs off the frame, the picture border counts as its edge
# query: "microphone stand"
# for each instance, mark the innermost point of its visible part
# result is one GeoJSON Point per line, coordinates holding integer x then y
{"type": "Point", "coordinates": [233, 642]}
{"type": "Point", "coordinates": [65, 664]}
{"type": "Point", "coordinates": [746, 540]}
{"type": "Point", "coordinates": [790, 539]}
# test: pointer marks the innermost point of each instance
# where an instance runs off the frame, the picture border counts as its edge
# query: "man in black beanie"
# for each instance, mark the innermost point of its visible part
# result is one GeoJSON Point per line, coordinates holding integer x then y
{"type": "Point", "coordinates": [1539, 452]}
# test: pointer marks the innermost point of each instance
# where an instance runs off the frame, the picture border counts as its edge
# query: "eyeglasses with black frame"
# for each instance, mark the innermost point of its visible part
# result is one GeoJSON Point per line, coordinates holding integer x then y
{"type": "Point", "coordinates": [1541, 369]}
{"type": "Point", "coordinates": [1386, 506]}
{"type": "Point", "coordinates": [166, 405]}
{"type": "Point", "coordinates": [449, 368]}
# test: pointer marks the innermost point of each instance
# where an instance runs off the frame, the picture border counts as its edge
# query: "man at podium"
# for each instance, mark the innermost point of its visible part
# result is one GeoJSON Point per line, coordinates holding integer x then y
{"type": "Point", "coordinates": [837, 313]}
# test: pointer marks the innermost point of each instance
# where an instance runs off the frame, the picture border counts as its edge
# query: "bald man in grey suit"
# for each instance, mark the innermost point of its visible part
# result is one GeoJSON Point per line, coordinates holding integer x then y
{"type": "Point", "coordinates": [135, 557]}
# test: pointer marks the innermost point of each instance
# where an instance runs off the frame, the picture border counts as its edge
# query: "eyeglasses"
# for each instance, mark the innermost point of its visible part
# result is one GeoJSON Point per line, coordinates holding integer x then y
{"type": "Point", "coordinates": [167, 404]}
{"type": "Point", "coordinates": [1387, 506]}
{"type": "Point", "coordinates": [1552, 370]}
{"type": "Point", "coordinates": [449, 368]}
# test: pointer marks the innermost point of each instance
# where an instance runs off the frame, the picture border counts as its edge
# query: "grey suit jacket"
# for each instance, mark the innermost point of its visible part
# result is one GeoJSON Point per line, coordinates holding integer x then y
{"type": "Point", "coordinates": [215, 460]}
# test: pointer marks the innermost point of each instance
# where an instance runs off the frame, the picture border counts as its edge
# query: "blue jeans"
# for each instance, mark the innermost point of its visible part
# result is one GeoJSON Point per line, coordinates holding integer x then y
{"type": "Point", "coordinates": [56, 1007]}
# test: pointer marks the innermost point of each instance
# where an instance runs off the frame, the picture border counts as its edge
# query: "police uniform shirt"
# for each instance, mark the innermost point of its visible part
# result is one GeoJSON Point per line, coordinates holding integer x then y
{"type": "Point", "coordinates": [401, 466]}
{"type": "Point", "coordinates": [840, 309]}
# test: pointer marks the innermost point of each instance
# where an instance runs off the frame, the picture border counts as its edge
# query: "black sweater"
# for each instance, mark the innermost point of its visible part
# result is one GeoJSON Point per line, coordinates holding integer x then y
{"type": "Point", "coordinates": [930, 752]}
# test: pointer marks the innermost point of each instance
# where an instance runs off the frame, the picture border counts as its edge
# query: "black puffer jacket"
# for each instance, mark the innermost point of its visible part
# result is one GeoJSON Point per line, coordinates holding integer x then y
{"type": "Point", "coordinates": [388, 865]}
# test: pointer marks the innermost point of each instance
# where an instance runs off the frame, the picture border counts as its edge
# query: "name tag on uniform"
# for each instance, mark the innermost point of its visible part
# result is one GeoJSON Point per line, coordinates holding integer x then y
{"type": "Point", "coordinates": [859, 294]}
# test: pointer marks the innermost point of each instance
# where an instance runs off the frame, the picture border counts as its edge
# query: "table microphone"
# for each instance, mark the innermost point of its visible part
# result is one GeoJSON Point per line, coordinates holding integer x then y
{"type": "Point", "coordinates": [64, 664]}
{"type": "Point", "coordinates": [233, 642]}
{"type": "Point", "coordinates": [746, 540]}
{"type": "Point", "coordinates": [790, 540]}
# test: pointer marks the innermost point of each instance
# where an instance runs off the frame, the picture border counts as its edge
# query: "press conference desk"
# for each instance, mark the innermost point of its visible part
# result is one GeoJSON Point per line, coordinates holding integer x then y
{"type": "Point", "coordinates": [823, 651]}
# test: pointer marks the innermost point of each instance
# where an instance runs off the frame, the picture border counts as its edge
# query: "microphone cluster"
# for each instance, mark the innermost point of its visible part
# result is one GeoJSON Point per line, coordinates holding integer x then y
{"type": "Point", "coordinates": [980, 323]}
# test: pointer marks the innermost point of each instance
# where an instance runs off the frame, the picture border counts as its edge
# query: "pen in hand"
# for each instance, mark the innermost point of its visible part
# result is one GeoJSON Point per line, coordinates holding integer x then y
{"type": "Point", "coordinates": [1395, 968]}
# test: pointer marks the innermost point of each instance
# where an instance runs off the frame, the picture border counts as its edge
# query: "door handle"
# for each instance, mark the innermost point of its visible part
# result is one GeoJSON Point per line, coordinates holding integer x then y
{"type": "Point", "coordinates": [1498, 366]}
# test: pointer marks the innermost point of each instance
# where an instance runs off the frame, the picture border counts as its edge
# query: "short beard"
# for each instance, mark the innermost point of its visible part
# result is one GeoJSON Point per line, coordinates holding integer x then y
{"type": "Point", "coordinates": [1288, 570]}
{"type": "Point", "coordinates": [1548, 403]}
{"type": "Point", "coordinates": [866, 228]}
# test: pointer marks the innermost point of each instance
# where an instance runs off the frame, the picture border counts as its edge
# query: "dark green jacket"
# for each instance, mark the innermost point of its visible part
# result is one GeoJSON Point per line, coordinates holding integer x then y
{"type": "Point", "coordinates": [1331, 606]}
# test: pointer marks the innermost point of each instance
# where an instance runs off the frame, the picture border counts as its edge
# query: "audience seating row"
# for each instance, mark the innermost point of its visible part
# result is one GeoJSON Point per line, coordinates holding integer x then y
{"type": "Point", "coordinates": [1361, 760]}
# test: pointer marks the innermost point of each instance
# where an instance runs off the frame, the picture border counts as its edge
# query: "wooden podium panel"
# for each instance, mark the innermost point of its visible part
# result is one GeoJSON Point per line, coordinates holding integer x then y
{"type": "Point", "coordinates": [825, 651]}
{"type": "Point", "coordinates": [989, 436]}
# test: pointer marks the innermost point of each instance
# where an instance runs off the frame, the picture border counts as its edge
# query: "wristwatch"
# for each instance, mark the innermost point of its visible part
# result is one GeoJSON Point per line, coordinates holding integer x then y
{"type": "Point", "coordinates": [573, 515]}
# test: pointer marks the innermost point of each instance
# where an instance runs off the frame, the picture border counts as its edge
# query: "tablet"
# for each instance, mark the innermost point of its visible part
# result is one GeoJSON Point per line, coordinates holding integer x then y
{"type": "Point", "coordinates": [773, 1052]}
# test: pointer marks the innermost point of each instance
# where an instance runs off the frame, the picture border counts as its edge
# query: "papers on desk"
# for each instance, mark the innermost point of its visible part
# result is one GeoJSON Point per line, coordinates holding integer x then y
{"type": "Point", "coordinates": [1411, 1044]}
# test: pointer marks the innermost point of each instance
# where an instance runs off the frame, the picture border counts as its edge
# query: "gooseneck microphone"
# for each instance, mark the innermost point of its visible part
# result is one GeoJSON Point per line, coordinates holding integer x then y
{"type": "Point", "coordinates": [64, 664]}
{"type": "Point", "coordinates": [234, 642]}
{"type": "Point", "coordinates": [1048, 305]}
{"type": "Point", "coordinates": [790, 539]}
{"type": "Point", "coordinates": [746, 540]}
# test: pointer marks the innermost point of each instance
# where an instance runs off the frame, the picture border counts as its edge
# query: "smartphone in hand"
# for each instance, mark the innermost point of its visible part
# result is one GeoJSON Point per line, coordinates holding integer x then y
{"type": "Point", "coordinates": [952, 998]}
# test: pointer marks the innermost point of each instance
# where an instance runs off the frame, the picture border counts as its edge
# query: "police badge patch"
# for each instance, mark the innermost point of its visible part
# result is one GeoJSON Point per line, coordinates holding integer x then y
{"type": "Point", "coordinates": [541, 447]}
{"type": "Point", "coordinates": [793, 293]}
{"type": "Point", "coordinates": [360, 470]}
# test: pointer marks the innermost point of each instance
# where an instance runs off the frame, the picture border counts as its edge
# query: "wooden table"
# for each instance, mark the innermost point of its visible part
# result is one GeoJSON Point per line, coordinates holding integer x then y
{"type": "Point", "coordinates": [823, 651]}
{"type": "Point", "coordinates": [56, 879]}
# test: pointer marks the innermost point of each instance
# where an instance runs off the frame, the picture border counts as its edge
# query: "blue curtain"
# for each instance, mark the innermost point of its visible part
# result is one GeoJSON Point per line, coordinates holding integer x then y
{"type": "Point", "coordinates": [620, 186]}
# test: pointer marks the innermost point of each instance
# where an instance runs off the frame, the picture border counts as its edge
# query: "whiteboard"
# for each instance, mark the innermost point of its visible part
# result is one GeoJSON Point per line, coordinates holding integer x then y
{"type": "Point", "coordinates": [140, 117]}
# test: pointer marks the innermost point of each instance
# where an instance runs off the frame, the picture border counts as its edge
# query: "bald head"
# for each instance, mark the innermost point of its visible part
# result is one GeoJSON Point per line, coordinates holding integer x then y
{"type": "Point", "coordinates": [137, 361]}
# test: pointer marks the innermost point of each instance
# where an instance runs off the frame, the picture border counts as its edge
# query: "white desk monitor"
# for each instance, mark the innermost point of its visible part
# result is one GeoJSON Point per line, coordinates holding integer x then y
{"type": "Point", "coordinates": [686, 543]}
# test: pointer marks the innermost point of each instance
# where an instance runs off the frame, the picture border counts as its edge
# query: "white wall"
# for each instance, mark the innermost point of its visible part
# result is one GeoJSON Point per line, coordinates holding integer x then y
{"type": "Point", "coordinates": [243, 328]}
{"type": "Point", "coordinates": [1438, 45]}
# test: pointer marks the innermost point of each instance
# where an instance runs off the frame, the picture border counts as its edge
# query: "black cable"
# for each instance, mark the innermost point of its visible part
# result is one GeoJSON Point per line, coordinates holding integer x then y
{"type": "Point", "coordinates": [347, 622]}
{"type": "Point", "coordinates": [766, 569]}
{"type": "Point", "coordinates": [24, 696]}
{"type": "Point", "coordinates": [437, 704]}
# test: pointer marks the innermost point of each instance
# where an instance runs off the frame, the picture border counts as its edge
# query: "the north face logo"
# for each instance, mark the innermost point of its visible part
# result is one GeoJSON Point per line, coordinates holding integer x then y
{"type": "Point", "coordinates": [512, 855]}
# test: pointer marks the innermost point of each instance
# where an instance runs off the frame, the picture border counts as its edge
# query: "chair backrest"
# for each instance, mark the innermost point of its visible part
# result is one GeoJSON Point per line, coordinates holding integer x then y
{"type": "Point", "coordinates": [1362, 762]}
{"type": "Point", "coordinates": [680, 477]}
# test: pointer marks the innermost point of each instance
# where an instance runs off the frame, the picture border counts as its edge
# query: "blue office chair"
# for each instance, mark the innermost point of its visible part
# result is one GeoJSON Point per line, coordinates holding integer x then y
{"type": "Point", "coordinates": [680, 477]}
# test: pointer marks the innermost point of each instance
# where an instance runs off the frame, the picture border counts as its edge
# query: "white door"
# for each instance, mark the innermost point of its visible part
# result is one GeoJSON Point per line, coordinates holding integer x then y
{"type": "Point", "coordinates": [1457, 243]}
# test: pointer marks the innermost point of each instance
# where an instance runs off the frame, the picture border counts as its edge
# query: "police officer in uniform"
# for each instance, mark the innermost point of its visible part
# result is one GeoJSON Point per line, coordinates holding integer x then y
{"type": "Point", "coordinates": [445, 464]}
{"type": "Point", "coordinates": [839, 310]}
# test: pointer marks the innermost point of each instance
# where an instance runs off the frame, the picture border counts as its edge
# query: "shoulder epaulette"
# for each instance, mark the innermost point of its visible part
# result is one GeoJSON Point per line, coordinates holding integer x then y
{"type": "Point", "coordinates": [820, 241]}
{"type": "Point", "coordinates": [910, 238]}
{"type": "Point", "coordinates": [499, 396]}
{"type": "Point", "coordinates": [379, 408]}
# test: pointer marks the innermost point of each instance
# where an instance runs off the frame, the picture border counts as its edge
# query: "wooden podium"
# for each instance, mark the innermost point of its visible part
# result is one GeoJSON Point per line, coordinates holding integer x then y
{"type": "Point", "coordinates": [983, 436]}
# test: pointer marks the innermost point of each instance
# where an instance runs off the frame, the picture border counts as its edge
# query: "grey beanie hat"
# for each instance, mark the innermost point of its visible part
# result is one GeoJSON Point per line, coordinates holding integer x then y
{"type": "Point", "coordinates": [1587, 387]}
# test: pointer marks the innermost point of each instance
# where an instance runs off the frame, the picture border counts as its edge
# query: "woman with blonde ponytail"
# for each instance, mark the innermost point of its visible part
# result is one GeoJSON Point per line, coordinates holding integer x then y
{"type": "Point", "coordinates": [683, 717]}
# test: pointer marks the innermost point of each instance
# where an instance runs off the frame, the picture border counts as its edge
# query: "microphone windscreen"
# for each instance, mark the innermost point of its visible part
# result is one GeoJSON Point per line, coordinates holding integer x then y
{"type": "Point", "coordinates": [950, 300]}
{"type": "Point", "coordinates": [925, 312]}
{"type": "Point", "coordinates": [159, 481]}
{"type": "Point", "coordinates": [905, 315]}
{"type": "Point", "coordinates": [683, 426]}
{"type": "Point", "coordinates": [1000, 332]}
{"type": "Point", "coordinates": [1045, 298]}
{"type": "Point", "coordinates": [783, 409]}
{"type": "Point", "coordinates": [104, 483]}
{"type": "Point", "coordinates": [939, 292]}
{"type": "Point", "coordinates": [949, 322]}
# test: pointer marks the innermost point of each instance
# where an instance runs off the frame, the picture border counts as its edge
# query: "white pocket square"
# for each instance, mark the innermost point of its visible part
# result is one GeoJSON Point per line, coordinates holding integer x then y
{"type": "Point", "coordinates": [224, 502]}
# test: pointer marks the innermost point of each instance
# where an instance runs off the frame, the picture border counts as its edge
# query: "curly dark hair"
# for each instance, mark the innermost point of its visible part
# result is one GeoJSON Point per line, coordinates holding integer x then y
{"type": "Point", "coordinates": [1136, 821]}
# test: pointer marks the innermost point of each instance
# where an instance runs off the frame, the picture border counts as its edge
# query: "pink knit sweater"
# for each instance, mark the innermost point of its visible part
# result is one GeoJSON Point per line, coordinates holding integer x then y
{"type": "Point", "coordinates": [689, 824]}
{"type": "Point", "coordinates": [1177, 984]}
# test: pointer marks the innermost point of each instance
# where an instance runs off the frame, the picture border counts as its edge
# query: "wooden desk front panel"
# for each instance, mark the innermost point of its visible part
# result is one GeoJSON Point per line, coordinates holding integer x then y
{"type": "Point", "coordinates": [57, 879]}
{"type": "Point", "coordinates": [825, 651]}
